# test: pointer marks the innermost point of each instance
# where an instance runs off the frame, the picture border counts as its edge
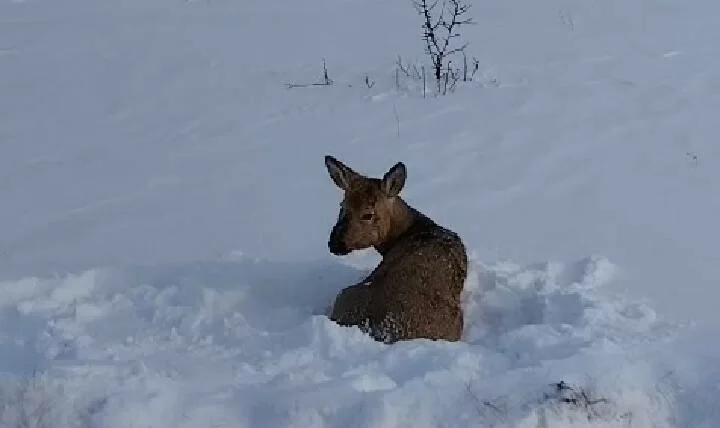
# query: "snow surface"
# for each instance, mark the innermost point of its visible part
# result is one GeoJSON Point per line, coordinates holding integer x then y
{"type": "Point", "coordinates": [165, 213]}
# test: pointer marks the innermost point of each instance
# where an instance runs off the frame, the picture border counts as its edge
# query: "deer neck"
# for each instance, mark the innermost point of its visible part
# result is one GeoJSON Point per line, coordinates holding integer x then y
{"type": "Point", "coordinates": [402, 220]}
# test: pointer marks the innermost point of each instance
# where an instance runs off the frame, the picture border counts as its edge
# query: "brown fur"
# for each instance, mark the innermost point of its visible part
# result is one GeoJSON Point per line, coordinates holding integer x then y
{"type": "Point", "coordinates": [415, 291]}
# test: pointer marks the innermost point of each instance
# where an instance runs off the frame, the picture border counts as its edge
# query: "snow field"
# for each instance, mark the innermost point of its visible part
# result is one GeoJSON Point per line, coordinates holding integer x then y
{"type": "Point", "coordinates": [139, 146]}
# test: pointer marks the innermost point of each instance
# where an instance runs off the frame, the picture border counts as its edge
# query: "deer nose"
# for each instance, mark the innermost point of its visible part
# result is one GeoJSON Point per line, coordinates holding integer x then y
{"type": "Point", "coordinates": [336, 244]}
{"type": "Point", "coordinates": [338, 248]}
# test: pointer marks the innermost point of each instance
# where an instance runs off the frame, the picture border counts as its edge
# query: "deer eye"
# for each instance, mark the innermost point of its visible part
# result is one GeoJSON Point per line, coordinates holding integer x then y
{"type": "Point", "coordinates": [367, 217]}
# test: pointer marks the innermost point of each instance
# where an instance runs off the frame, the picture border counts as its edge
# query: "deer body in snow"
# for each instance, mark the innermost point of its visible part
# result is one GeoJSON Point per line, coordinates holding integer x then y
{"type": "Point", "coordinates": [415, 290]}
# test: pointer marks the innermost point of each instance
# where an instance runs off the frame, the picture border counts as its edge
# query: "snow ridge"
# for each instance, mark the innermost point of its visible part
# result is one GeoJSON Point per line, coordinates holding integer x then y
{"type": "Point", "coordinates": [246, 343]}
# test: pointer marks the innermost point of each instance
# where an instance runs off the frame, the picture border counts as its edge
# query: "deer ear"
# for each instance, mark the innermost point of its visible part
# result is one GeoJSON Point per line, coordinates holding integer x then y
{"type": "Point", "coordinates": [340, 173]}
{"type": "Point", "coordinates": [394, 180]}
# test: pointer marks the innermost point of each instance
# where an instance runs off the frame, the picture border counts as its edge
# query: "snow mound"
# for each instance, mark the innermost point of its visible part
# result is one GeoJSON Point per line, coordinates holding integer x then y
{"type": "Point", "coordinates": [246, 343]}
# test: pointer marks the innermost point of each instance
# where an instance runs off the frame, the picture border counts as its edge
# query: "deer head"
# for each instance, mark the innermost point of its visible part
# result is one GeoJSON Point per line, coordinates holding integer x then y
{"type": "Point", "coordinates": [370, 211]}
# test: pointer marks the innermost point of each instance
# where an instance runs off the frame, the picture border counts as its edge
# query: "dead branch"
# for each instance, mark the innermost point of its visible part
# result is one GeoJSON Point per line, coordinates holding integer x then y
{"type": "Point", "coordinates": [326, 80]}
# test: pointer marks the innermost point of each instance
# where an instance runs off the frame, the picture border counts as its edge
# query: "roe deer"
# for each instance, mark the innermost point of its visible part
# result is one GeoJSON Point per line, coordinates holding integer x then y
{"type": "Point", "coordinates": [415, 290]}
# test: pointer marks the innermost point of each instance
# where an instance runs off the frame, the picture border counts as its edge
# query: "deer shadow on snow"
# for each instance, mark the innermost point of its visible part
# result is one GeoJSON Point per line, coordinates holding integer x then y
{"type": "Point", "coordinates": [271, 295]}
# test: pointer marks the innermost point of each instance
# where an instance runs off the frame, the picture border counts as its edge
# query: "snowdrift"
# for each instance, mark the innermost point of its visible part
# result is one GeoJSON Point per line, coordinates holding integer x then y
{"type": "Point", "coordinates": [245, 343]}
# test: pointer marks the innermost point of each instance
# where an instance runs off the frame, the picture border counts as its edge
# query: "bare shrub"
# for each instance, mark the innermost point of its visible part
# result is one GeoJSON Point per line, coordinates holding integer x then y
{"type": "Point", "coordinates": [442, 21]}
{"type": "Point", "coordinates": [441, 26]}
{"type": "Point", "coordinates": [34, 402]}
{"type": "Point", "coordinates": [578, 398]}
{"type": "Point", "coordinates": [25, 404]}
{"type": "Point", "coordinates": [561, 402]}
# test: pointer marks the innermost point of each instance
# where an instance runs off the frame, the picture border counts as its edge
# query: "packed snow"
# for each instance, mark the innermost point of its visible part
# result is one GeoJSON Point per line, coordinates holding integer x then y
{"type": "Point", "coordinates": [165, 213]}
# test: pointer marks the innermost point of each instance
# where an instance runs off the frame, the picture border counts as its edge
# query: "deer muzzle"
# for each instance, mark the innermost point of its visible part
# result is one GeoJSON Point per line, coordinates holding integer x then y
{"type": "Point", "coordinates": [336, 243]}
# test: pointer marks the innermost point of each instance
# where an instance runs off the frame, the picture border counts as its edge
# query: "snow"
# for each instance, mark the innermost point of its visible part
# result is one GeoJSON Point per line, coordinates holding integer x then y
{"type": "Point", "coordinates": [165, 213]}
{"type": "Point", "coordinates": [233, 343]}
